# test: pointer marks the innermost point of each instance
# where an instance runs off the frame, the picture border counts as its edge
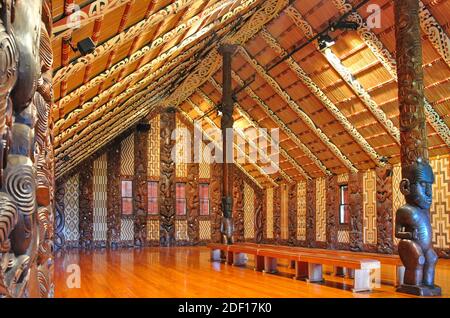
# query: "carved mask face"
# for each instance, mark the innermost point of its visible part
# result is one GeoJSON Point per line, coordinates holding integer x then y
{"type": "Point", "coordinates": [417, 186]}
{"type": "Point", "coordinates": [420, 194]}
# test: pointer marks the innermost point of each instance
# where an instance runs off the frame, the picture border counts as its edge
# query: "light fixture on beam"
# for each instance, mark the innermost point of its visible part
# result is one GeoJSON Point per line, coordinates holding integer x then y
{"type": "Point", "coordinates": [325, 41]}
{"type": "Point", "coordinates": [85, 46]}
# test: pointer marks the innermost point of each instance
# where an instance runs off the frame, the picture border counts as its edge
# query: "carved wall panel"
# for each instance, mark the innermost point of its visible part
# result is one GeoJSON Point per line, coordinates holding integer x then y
{"type": "Point", "coordinates": [311, 213]}
{"type": "Point", "coordinates": [332, 208]}
{"type": "Point", "coordinates": [260, 215]}
{"type": "Point", "coordinates": [249, 212]}
{"type": "Point", "coordinates": [384, 210]}
{"type": "Point", "coordinates": [140, 196]}
{"type": "Point", "coordinates": [355, 188]}
{"type": "Point", "coordinates": [193, 204]}
{"type": "Point", "coordinates": [167, 180]}
{"type": "Point", "coordinates": [292, 214]}
{"type": "Point", "coordinates": [301, 211]}
{"type": "Point", "coordinates": [182, 149]}
{"type": "Point", "coordinates": [369, 207]}
{"type": "Point", "coordinates": [284, 214]}
{"type": "Point", "coordinates": [113, 196]}
{"type": "Point", "coordinates": [238, 206]}
{"type": "Point", "coordinates": [100, 183]}
{"type": "Point", "coordinates": [60, 222]}
{"type": "Point", "coordinates": [269, 209]}
{"type": "Point", "coordinates": [321, 213]}
{"type": "Point", "coordinates": [86, 205]}
{"type": "Point", "coordinates": [277, 214]}
{"type": "Point", "coordinates": [216, 201]}
{"type": "Point", "coordinates": [71, 211]}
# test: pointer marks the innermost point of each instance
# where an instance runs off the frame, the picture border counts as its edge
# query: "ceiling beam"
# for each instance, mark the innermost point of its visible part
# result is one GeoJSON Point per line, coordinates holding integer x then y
{"type": "Point", "coordinates": [256, 125]}
{"type": "Point", "coordinates": [273, 116]}
{"type": "Point", "coordinates": [297, 109]}
{"type": "Point", "coordinates": [390, 64]}
{"type": "Point", "coordinates": [346, 76]}
{"type": "Point", "coordinates": [320, 95]}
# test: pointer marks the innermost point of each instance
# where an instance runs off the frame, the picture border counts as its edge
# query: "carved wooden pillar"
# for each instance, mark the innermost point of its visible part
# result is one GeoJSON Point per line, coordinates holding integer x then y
{"type": "Point", "coordinates": [167, 179]}
{"type": "Point", "coordinates": [238, 206]}
{"type": "Point", "coordinates": [226, 126]}
{"type": "Point", "coordinates": [140, 196]}
{"type": "Point", "coordinates": [332, 211]}
{"type": "Point", "coordinates": [355, 188]}
{"type": "Point", "coordinates": [385, 242]}
{"type": "Point", "coordinates": [311, 213]}
{"type": "Point", "coordinates": [277, 215]}
{"type": "Point", "coordinates": [260, 220]}
{"type": "Point", "coordinates": [113, 196]}
{"type": "Point", "coordinates": [86, 205]}
{"type": "Point", "coordinates": [292, 214]}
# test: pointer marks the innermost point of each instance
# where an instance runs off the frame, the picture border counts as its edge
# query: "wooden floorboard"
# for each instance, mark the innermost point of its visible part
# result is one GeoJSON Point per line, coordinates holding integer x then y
{"type": "Point", "coordinates": [186, 272]}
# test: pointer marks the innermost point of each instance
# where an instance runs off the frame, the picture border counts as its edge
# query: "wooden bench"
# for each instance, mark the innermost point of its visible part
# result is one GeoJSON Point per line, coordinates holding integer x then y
{"type": "Point", "coordinates": [384, 259]}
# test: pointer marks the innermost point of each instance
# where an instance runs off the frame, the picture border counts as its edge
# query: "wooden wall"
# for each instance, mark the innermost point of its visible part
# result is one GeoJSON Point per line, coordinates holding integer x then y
{"type": "Point", "coordinates": [90, 197]}
{"type": "Point", "coordinates": [374, 197]}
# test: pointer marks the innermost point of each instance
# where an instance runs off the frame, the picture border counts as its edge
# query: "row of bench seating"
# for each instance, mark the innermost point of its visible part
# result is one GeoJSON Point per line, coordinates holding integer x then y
{"type": "Point", "coordinates": [364, 268]}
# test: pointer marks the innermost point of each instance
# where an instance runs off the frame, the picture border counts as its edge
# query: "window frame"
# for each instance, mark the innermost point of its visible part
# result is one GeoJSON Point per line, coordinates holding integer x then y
{"type": "Point", "coordinates": [177, 199]}
{"type": "Point", "coordinates": [156, 198]}
{"type": "Point", "coordinates": [343, 206]}
{"type": "Point", "coordinates": [122, 197]}
{"type": "Point", "coordinates": [200, 199]}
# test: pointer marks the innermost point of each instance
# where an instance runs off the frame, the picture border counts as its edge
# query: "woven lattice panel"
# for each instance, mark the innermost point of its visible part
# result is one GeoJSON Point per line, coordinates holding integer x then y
{"type": "Point", "coordinates": [249, 212]}
{"type": "Point", "coordinates": [127, 229]}
{"type": "Point", "coordinates": [71, 209]}
{"type": "Point", "coordinates": [370, 207]}
{"type": "Point", "coordinates": [269, 196]}
{"type": "Point", "coordinates": [181, 233]}
{"type": "Point", "coordinates": [284, 213]}
{"type": "Point", "coordinates": [127, 156]}
{"type": "Point", "coordinates": [301, 211]}
{"type": "Point", "coordinates": [343, 237]}
{"type": "Point", "coordinates": [205, 229]}
{"type": "Point", "coordinates": [321, 210]}
{"type": "Point", "coordinates": [440, 209]}
{"type": "Point", "coordinates": [182, 148]}
{"type": "Point", "coordinates": [397, 197]}
{"type": "Point", "coordinates": [100, 184]}
{"type": "Point", "coordinates": [153, 169]}
{"type": "Point", "coordinates": [342, 178]}
{"type": "Point", "coordinates": [153, 230]}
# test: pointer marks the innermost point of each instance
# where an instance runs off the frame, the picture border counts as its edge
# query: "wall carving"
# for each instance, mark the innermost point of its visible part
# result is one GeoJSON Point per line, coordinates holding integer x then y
{"type": "Point", "coordinates": [86, 205]}
{"type": "Point", "coordinates": [321, 213]}
{"type": "Point", "coordinates": [60, 217]}
{"type": "Point", "coordinates": [238, 206]}
{"type": "Point", "coordinates": [167, 180]}
{"type": "Point", "coordinates": [292, 214]}
{"type": "Point", "coordinates": [153, 168]}
{"type": "Point", "coordinates": [301, 211]}
{"type": "Point", "coordinates": [384, 226]}
{"type": "Point", "coordinates": [260, 215]}
{"type": "Point", "coordinates": [113, 196]}
{"type": "Point", "coordinates": [140, 196]}
{"type": "Point", "coordinates": [71, 211]}
{"type": "Point", "coordinates": [277, 214]}
{"type": "Point", "coordinates": [269, 209]}
{"type": "Point", "coordinates": [215, 187]}
{"type": "Point", "coordinates": [355, 188]}
{"type": "Point", "coordinates": [370, 207]}
{"type": "Point", "coordinates": [193, 204]}
{"type": "Point", "coordinates": [311, 213]}
{"type": "Point", "coordinates": [99, 187]}
{"type": "Point", "coordinates": [332, 211]}
{"type": "Point", "coordinates": [249, 212]}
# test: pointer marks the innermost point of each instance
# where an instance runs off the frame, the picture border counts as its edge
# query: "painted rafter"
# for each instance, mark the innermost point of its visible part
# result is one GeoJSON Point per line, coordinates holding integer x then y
{"type": "Point", "coordinates": [272, 115]}
{"type": "Point", "coordinates": [268, 10]}
{"type": "Point", "coordinates": [261, 152]}
{"type": "Point", "coordinates": [297, 109]}
{"type": "Point", "coordinates": [119, 39]}
{"type": "Point", "coordinates": [235, 146]}
{"type": "Point", "coordinates": [428, 24]}
{"type": "Point", "coordinates": [218, 146]}
{"type": "Point", "coordinates": [315, 89]}
{"type": "Point", "coordinates": [121, 66]}
{"type": "Point", "coordinates": [255, 125]}
{"type": "Point", "coordinates": [347, 76]}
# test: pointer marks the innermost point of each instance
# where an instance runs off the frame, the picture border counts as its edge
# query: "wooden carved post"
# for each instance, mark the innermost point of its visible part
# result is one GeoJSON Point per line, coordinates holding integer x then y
{"type": "Point", "coordinates": [355, 186]}
{"type": "Point", "coordinates": [332, 211]}
{"type": "Point", "coordinates": [311, 213]}
{"type": "Point", "coordinates": [413, 224]}
{"type": "Point", "coordinates": [140, 196]}
{"type": "Point", "coordinates": [227, 145]}
{"type": "Point", "coordinates": [113, 197]}
{"type": "Point", "coordinates": [167, 179]}
{"type": "Point", "coordinates": [384, 210]}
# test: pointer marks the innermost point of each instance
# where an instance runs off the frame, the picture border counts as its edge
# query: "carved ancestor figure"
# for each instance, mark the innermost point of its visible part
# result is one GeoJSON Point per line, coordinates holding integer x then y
{"type": "Point", "coordinates": [226, 224]}
{"type": "Point", "coordinates": [26, 154]}
{"type": "Point", "coordinates": [413, 227]}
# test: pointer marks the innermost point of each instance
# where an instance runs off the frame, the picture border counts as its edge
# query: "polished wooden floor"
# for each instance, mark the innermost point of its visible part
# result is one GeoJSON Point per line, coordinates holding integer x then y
{"type": "Point", "coordinates": [187, 272]}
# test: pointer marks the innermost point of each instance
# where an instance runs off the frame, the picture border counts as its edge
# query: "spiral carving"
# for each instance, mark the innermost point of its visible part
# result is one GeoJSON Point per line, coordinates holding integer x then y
{"type": "Point", "coordinates": [20, 184]}
{"type": "Point", "coordinates": [8, 216]}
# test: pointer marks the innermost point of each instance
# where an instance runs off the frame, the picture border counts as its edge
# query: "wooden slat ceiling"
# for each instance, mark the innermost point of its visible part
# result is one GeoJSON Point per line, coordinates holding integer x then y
{"type": "Point", "coordinates": [337, 110]}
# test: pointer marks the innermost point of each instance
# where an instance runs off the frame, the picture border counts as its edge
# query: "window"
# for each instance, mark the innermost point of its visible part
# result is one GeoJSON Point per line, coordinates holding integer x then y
{"type": "Point", "coordinates": [343, 204]}
{"type": "Point", "coordinates": [204, 198]}
{"type": "Point", "coordinates": [127, 197]}
{"type": "Point", "coordinates": [152, 194]}
{"type": "Point", "coordinates": [181, 198]}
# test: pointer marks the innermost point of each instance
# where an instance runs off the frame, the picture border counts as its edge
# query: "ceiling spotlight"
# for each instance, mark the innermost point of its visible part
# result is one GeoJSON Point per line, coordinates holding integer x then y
{"type": "Point", "coordinates": [344, 25]}
{"type": "Point", "coordinates": [85, 46]}
{"type": "Point", "coordinates": [325, 41]}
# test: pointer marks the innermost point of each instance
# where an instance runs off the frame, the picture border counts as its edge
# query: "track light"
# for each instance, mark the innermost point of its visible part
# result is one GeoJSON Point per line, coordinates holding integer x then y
{"type": "Point", "coordinates": [85, 46]}
{"type": "Point", "coordinates": [325, 41]}
{"type": "Point", "coordinates": [344, 25]}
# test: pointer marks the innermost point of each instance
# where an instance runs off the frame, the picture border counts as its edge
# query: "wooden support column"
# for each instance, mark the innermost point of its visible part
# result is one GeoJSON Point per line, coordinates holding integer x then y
{"type": "Point", "coordinates": [332, 211]}
{"type": "Point", "coordinates": [311, 213]}
{"type": "Point", "coordinates": [113, 197]}
{"type": "Point", "coordinates": [227, 145]}
{"type": "Point", "coordinates": [356, 201]}
{"type": "Point", "coordinates": [385, 242]}
{"type": "Point", "coordinates": [167, 179]}
{"type": "Point", "coordinates": [140, 195]}
{"type": "Point", "coordinates": [413, 224]}
{"type": "Point", "coordinates": [86, 205]}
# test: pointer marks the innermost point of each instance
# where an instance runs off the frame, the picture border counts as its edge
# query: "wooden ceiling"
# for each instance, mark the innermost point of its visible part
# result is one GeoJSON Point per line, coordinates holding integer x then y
{"type": "Point", "coordinates": [337, 109]}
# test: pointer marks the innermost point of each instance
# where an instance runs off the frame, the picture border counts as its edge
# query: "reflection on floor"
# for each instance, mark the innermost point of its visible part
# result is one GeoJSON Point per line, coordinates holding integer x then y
{"type": "Point", "coordinates": [187, 272]}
